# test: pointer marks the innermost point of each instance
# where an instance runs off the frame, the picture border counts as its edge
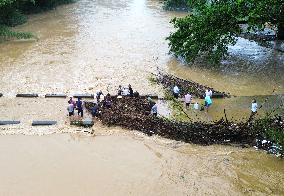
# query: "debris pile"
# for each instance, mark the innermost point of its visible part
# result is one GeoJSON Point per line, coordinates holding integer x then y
{"type": "Point", "coordinates": [169, 81]}
{"type": "Point", "coordinates": [134, 113]}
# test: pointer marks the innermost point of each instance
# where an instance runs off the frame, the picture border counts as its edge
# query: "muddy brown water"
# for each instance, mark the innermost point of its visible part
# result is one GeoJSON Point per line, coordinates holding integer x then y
{"type": "Point", "coordinates": [91, 45]}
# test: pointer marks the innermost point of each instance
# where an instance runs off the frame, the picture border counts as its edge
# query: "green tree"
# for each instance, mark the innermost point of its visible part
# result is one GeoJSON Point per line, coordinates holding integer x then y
{"type": "Point", "coordinates": [215, 24]}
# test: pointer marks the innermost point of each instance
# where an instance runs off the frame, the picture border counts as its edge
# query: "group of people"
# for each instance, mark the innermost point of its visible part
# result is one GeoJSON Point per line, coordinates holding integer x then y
{"type": "Point", "coordinates": [188, 98]}
{"type": "Point", "coordinates": [207, 100]}
{"type": "Point", "coordinates": [78, 105]}
{"type": "Point", "coordinates": [72, 106]}
{"type": "Point", "coordinates": [100, 100]}
{"type": "Point", "coordinates": [126, 91]}
{"type": "Point", "coordinates": [106, 101]}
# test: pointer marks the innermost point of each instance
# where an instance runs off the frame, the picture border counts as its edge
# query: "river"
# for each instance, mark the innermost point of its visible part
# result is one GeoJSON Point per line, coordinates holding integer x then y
{"type": "Point", "coordinates": [92, 45]}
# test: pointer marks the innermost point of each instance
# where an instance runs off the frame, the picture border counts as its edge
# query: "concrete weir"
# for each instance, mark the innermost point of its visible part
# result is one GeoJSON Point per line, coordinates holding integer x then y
{"type": "Point", "coordinates": [55, 96]}
{"type": "Point", "coordinates": [9, 122]}
{"type": "Point", "coordinates": [91, 96]}
{"type": "Point", "coordinates": [43, 122]}
{"type": "Point", "coordinates": [32, 95]}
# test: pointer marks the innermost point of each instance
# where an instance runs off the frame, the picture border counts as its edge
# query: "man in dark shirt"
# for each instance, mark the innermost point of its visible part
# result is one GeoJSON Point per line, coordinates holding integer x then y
{"type": "Point", "coordinates": [79, 105]}
{"type": "Point", "coordinates": [130, 90]}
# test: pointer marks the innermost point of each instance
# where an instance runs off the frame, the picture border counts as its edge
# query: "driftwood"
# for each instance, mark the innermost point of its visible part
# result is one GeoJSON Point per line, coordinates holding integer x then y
{"type": "Point", "coordinates": [134, 114]}
{"type": "Point", "coordinates": [169, 81]}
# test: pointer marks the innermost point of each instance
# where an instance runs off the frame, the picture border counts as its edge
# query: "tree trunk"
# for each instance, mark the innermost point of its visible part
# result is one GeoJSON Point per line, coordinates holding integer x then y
{"type": "Point", "coordinates": [280, 32]}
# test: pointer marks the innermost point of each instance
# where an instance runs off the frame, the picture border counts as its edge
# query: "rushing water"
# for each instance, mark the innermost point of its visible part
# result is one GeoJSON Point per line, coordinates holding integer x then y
{"type": "Point", "coordinates": [91, 45]}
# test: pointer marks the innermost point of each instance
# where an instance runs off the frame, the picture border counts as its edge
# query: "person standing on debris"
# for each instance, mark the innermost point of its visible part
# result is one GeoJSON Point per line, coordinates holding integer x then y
{"type": "Point", "coordinates": [79, 105]}
{"type": "Point", "coordinates": [176, 91]}
{"type": "Point", "coordinates": [125, 91]}
{"type": "Point", "coordinates": [154, 109]}
{"type": "Point", "coordinates": [187, 100]}
{"type": "Point", "coordinates": [119, 90]}
{"type": "Point", "coordinates": [95, 110]}
{"type": "Point", "coordinates": [136, 94]}
{"type": "Point", "coordinates": [130, 90]}
{"type": "Point", "coordinates": [98, 95]}
{"type": "Point", "coordinates": [107, 101]}
{"type": "Point", "coordinates": [208, 92]}
{"type": "Point", "coordinates": [208, 102]}
{"type": "Point", "coordinates": [150, 101]}
{"type": "Point", "coordinates": [253, 107]}
{"type": "Point", "coordinates": [70, 108]}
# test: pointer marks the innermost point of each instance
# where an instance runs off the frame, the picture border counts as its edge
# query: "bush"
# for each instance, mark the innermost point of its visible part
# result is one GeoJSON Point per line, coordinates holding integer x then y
{"type": "Point", "coordinates": [14, 18]}
{"type": "Point", "coordinates": [272, 130]}
{"type": "Point", "coordinates": [6, 33]}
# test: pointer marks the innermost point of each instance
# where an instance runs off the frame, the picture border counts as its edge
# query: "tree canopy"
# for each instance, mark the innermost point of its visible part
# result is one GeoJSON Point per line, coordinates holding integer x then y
{"type": "Point", "coordinates": [215, 24]}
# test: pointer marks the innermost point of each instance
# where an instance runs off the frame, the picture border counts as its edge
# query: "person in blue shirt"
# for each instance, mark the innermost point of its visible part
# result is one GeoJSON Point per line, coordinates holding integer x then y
{"type": "Point", "coordinates": [95, 110]}
{"type": "Point", "coordinates": [208, 102]}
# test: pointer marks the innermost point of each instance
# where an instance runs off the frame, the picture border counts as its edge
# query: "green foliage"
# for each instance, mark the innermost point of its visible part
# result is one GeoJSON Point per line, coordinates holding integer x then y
{"type": "Point", "coordinates": [6, 2]}
{"type": "Point", "coordinates": [14, 18]}
{"type": "Point", "coordinates": [213, 25]}
{"type": "Point", "coordinates": [273, 133]}
{"type": "Point", "coordinates": [6, 33]}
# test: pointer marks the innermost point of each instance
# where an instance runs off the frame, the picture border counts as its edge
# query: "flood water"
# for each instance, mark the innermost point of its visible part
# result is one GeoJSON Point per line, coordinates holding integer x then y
{"type": "Point", "coordinates": [92, 45]}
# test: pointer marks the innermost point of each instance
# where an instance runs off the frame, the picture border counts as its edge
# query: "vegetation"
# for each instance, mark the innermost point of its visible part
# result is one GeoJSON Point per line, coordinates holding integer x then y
{"type": "Point", "coordinates": [13, 12]}
{"type": "Point", "coordinates": [272, 133]}
{"type": "Point", "coordinates": [215, 24]}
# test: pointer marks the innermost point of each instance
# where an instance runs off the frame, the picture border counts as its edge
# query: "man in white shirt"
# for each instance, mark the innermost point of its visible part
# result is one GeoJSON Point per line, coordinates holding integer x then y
{"type": "Point", "coordinates": [208, 92]}
{"type": "Point", "coordinates": [187, 100]}
{"type": "Point", "coordinates": [253, 110]}
{"type": "Point", "coordinates": [70, 109]}
{"type": "Point", "coordinates": [154, 110]}
{"type": "Point", "coordinates": [176, 92]}
{"type": "Point", "coordinates": [254, 106]}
